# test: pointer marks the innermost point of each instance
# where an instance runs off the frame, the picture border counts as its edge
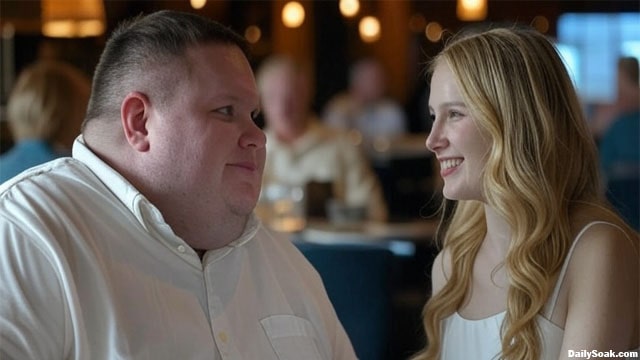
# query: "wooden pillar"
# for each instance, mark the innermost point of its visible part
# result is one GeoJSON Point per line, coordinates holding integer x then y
{"type": "Point", "coordinates": [393, 47]}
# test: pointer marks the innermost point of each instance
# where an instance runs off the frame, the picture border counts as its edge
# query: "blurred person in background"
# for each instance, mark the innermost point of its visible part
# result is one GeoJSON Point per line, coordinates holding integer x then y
{"type": "Point", "coordinates": [627, 98]}
{"type": "Point", "coordinates": [45, 110]}
{"type": "Point", "coordinates": [301, 149]}
{"type": "Point", "coordinates": [366, 108]}
{"type": "Point", "coordinates": [620, 145]}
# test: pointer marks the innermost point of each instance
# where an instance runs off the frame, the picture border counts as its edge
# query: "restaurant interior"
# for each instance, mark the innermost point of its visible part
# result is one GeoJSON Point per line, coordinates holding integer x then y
{"type": "Point", "coordinates": [377, 274]}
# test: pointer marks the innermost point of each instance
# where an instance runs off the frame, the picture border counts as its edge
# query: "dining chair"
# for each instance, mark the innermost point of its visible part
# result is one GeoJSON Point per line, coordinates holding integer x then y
{"type": "Point", "coordinates": [408, 186]}
{"type": "Point", "coordinates": [357, 279]}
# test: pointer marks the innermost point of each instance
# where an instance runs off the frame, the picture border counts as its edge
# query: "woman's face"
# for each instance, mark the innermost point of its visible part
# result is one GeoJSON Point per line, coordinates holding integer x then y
{"type": "Point", "coordinates": [458, 143]}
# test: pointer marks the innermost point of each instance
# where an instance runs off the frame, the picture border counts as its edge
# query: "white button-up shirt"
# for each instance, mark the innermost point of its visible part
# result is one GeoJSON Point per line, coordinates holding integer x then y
{"type": "Point", "coordinates": [90, 270]}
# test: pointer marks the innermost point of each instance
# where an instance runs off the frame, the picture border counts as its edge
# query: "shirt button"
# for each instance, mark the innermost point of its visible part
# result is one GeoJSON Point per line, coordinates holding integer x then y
{"type": "Point", "coordinates": [223, 336]}
{"type": "Point", "coordinates": [181, 248]}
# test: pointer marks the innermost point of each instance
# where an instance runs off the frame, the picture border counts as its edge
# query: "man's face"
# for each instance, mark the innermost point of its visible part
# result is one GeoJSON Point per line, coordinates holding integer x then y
{"type": "Point", "coordinates": [284, 101]}
{"type": "Point", "coordinates": [204, 142]}
{"type": "Point", "coordinates": [369, 83]}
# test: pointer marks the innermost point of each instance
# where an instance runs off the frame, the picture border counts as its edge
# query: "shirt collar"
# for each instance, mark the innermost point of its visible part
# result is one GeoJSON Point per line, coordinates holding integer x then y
{"type": "Point", "coordinates": [115, 182]}
{"type": "Point", "coordinates": [250, 230]}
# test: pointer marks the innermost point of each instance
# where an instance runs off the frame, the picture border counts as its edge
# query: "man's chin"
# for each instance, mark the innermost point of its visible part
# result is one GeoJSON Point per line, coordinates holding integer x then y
{"type": "Point", "coordinates": [244, 207]}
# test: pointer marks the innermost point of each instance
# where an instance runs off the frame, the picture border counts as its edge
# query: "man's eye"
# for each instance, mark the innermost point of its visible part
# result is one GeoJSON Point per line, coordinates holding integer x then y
{"type": "Point", "coordinates": [226, 110]}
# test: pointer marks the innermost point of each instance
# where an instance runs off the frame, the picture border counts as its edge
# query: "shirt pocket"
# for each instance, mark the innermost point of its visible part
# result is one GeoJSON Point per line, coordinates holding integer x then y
{"type": "Point", "coordinates": [292, 337]}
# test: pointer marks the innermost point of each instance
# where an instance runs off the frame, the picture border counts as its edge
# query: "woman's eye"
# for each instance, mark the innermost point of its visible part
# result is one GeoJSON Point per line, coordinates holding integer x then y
{"type": "Point", "coordinates": [455, 114]}
{"type": "Point", "coordinates": [432, 118]}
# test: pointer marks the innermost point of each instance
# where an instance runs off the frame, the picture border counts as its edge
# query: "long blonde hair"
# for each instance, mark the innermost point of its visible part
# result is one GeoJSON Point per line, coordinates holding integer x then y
{"type": "Point", "coordinates": [542, 164]}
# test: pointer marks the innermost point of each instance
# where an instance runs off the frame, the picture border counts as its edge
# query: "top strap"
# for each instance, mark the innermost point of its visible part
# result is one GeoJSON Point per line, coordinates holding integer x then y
{"type": "Point", "coordinates": [556, 291]}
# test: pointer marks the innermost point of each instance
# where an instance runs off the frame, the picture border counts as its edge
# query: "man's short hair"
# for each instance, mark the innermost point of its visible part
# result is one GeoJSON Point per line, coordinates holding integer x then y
{"type": "Point", "coordinates": [146, 43]}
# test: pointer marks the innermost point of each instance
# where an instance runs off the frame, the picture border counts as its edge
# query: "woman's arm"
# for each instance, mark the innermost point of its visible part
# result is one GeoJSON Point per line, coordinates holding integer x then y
{"type": "Point", "coordinates": [602, 293]}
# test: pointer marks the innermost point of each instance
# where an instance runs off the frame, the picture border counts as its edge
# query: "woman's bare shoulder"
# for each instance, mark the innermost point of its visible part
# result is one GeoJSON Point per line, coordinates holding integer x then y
{"type": "Point", "coordinates": [603, 280]}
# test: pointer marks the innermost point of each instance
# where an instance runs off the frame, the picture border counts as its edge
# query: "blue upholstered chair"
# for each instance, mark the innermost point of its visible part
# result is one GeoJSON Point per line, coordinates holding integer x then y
{"type": "Point", "coordinates": [357, 279]}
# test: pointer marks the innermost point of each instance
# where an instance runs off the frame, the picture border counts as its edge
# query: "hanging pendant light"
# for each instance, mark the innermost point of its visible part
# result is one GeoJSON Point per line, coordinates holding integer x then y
{"type": "Point", "coordinates": [471, 10]}
{"type": "Point", "coordinates": [349, 8]}
{"type": "Point", "coordinates": [293, 14]}
{"type": "Point", "coordinates": [73, 18]}
{"type": "Point", "coordinates": [369, 29]}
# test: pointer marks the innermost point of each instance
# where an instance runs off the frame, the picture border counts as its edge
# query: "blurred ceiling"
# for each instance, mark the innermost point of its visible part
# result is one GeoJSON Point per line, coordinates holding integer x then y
{"type": "Point", "coordinates": [25, 15]}
{"type": "Point", "coordinates": [327, 35]}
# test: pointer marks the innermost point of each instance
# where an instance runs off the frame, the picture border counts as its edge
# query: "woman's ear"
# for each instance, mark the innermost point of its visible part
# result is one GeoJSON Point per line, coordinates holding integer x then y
{"type": "Point", "coordinates": [134, 113]}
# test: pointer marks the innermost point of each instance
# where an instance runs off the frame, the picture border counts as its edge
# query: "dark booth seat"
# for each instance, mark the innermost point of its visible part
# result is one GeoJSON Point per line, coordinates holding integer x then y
{"type": "Point", "coordinates": [357, 278]}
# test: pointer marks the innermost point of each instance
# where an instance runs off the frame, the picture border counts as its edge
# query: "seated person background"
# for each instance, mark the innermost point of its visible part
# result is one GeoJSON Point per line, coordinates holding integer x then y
{"type": "Point", "coordinates": [619, 147]}
{"type": "Point", "coordinates": [366, 108]}
{"type": "Point", "coordinates": [625, 102]}
{"type": "Point", "coordinates": [44, 111]}
{"type": "Point", "coordinates": [300, 149]}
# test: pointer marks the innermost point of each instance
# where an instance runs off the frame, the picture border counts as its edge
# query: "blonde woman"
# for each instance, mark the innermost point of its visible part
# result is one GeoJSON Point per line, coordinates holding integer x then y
{"type": "Point", "coordinates": [534, 265]}
{"type": "Point", "coordinates": [45, 110]}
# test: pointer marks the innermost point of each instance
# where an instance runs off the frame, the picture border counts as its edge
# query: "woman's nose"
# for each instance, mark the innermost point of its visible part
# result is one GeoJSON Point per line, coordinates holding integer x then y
{"type": "Point", "coordinates": [435, 140]}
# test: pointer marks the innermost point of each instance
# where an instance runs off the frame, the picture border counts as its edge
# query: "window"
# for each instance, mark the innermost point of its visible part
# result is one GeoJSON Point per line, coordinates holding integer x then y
{"type": "Point", "coordinates": [591, 45]}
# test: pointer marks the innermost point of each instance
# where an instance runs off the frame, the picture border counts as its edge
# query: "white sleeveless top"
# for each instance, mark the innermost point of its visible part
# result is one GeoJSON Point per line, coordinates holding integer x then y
{"type": "Point", "coordinates": [464, 339]}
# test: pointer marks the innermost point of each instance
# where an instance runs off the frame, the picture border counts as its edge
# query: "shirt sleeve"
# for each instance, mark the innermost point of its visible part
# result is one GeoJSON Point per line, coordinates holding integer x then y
{"type": "Point", "coordinates": [32, 313]}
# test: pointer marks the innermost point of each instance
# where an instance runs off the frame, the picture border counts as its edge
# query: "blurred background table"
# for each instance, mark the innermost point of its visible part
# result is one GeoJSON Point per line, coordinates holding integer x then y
{"type": "Point", "coordinates": [401, 237]}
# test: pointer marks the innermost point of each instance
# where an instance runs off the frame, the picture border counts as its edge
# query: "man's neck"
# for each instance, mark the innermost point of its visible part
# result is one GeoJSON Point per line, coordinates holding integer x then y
{"type": "Point", "coordinates": [214, 233]}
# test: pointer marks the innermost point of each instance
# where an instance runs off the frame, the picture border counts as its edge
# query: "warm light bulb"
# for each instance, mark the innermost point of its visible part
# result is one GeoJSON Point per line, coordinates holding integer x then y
{"type": "Point", "coordinates": [349, 8]}
{"type": "Point", "coordinates": [433, 31]}
{"type": "Point", "coordinates": [541, 24]}
{"type": "Point", "coordinates": [472, 5]}
{"type": "Point", "coordinates": [292, 14]}
{"type": "Point", "coordinates": [417, 23]}
{"type": "Point", "coordinates": [198, 4]}
{"type": "Point", "coordinates": [253, 34]}
{"type": "Point", "coordinates": [71, 28]}
{"type": "Point", "coordinates": [471, 10]}
{"type": "Point", "coordinates": [369, 28]}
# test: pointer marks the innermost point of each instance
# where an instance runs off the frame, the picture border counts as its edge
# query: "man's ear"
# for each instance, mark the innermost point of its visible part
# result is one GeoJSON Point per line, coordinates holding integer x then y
{"type": "Point", "coordinates": [134, 113]}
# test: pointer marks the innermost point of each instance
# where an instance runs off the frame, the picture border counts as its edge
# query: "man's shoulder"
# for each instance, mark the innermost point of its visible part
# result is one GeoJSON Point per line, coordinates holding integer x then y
{"type": "Point", "coordinates": [280, 248]}
{"type": "Point", "coordinates": [44, 186]}
{"type": "Point", "coordinates": [37, 173]}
